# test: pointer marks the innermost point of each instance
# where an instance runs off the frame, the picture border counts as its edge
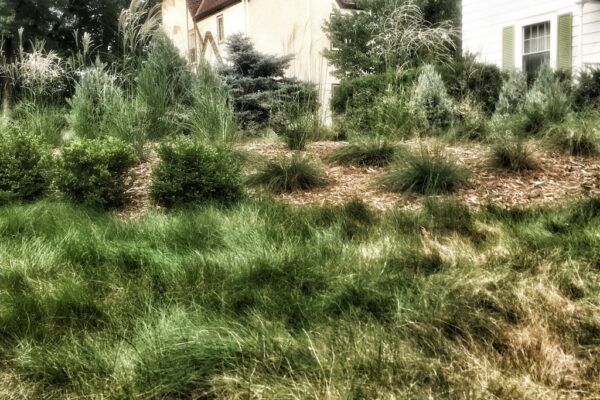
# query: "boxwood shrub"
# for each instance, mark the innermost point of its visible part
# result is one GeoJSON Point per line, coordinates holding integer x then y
{"type": "Point", "coordinates": [192, 171]}
{"type": "Point", "coordinates": [25, 167]}
{"type": "Point", "coordinates": [96, 172]}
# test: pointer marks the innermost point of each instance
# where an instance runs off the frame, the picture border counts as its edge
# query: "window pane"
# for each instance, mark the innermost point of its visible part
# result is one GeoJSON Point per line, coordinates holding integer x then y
{"type": "Point", "coordinates": [533, 62]}
{"type": "Point", "coordinates": [536, 38]}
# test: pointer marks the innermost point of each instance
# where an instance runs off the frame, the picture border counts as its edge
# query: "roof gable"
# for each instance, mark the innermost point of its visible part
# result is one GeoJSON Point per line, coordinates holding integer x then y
{"type": "Point", "coordinates": [209, 7]}
{"type": "Point", "coordinates": [203, 8]}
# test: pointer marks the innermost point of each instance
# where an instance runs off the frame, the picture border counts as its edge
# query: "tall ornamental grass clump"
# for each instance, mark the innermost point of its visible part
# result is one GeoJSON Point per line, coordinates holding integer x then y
{"type": "Point", "coordinates": [430, 101]}
{"type": "Point", "coordinates": [210, 115]}
{"type": "Point", "coordinates": [578, 137]}
{"type": "Point", "coordinates": [96, 172]}
{"type": "Point", "coordinates": [46, 122]}
{"type": "Point", "coordinates": [191, 171]}
{"type": "Point", "coordinates": [25, 167]}
{"type": "Point", "coordinates": [95, 103]}
{"type": "Point", "coordinates": [425, 172]}
{"type": "Point", "coordinates": [164, 86]}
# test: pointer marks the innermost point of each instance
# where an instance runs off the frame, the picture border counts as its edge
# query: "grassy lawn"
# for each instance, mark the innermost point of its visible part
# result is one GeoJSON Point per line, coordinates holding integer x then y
{"type": "Point", "coordinates": [266, 300]}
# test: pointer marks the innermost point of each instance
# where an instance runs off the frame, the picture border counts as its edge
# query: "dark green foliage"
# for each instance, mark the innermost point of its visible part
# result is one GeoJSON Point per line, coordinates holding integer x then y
{"type": "Point", "coordinates": [586, 93]}
{"type": "Point", "coordinates": [465, 77]}
{"type": "Point", "coordinates": [360, 92]}
{"type": "Point", "coordinates": [53, 21]}
{"type": "Point", "coordinates": [258, 84]}
{"type": "Point", "coordinates": [426, 173]}
{"type": "Point", "coordinates": [164, 86]}
{"type": "Point", "coordinates": [289, 175]}
{"type": "Point", "coordinates": [25, 167]}
{"type": "Point", "coordinates": [191, 171]}
{"type": "Point", "coordinates": [94, 172]}
{"type": "Point", "coordinates": [513, 154]}
{"type": "Point", "coordinates": [359, 98]}
{"type": "Point", "coordinates": [370, 153]}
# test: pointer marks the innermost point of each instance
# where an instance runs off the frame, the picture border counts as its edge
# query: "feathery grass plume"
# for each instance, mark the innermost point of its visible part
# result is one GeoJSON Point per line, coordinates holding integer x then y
{"type": "Point", "coordinates": [426, 172]}
{"type": "Point", "coordinates": [405, 37]}
{"type": "Point", "coordinates": [430, 102]}
{"type": "Point", "coordinates": [514, 154]}
{"type": "Point", "coordinates": [38, 76]}
{"type": "Point", "coordinates": [378, 152]}
{"type": "Point", "coordinates": [296, 173]}
{"type": "Point", "coordinates": [138, 25]}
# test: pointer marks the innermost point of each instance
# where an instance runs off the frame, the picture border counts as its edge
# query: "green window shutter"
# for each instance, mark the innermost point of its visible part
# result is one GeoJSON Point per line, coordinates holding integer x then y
{"type": "Point", "coordinates": [565, 42]}
{"type": "Point", "coordinates": [508, 48]}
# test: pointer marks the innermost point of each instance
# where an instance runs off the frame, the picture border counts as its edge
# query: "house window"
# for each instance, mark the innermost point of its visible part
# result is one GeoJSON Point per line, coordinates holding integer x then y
{"type": "Point", "coordinates": [536, 47]}
{"type": "Point", "coordinates": [220, 29]}
{"type": "Point", "coordinates": [192, 46]}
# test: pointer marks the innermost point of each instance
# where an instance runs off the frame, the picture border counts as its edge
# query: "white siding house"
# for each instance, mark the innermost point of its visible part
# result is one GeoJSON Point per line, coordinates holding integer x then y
{"type": "Point", "coordinates": [522, 34]}
{"type": "Point", "coordinates": [199, 29]}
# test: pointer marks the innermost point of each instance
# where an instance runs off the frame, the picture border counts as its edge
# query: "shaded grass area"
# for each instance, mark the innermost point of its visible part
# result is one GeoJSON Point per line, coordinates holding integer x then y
{"type": "Point", "coordinates": [267, 300]}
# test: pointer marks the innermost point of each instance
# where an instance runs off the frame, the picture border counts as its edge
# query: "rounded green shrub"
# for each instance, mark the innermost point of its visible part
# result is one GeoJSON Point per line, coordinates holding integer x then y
{"type": "Point", "coordinates": [95, 172]}
{"type": "Point", "coordinates": [25, 167]}
{"type": "Point", "coordinates": [191, 171]}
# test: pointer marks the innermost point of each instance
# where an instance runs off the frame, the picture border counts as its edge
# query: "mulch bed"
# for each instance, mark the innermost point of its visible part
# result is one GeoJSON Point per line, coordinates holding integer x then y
{"type": "Point", "coordinates": [560, 177]}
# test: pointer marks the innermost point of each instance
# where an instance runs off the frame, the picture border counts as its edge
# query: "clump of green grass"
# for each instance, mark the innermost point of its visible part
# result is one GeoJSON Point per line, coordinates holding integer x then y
{"type": "Point", "coordinates": [296, 173]}
{"type": "Point", "coordinates": [370, 153]}
{"type": "Point", "coordinates": [425, 172]}
{"type": "Point", "coordinates": [579, 138]}
{"type": "Point", "coordinates": [301, 130]}
{"type": "Point", "coordinates": [513, 154]}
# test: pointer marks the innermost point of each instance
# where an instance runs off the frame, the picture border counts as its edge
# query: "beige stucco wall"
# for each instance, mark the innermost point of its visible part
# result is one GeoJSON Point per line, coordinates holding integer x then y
{"type": "Point", "coordinates": [281, 27]}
